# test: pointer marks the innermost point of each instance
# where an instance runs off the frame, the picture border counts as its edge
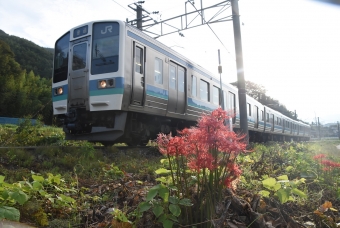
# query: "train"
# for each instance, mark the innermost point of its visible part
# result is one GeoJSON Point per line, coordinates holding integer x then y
{"type": "Point", "coordinates": [112, 83]}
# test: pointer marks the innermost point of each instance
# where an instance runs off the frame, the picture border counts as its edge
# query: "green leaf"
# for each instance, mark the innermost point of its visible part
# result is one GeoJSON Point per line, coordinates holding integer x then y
{"type": "Point", "coordinates": [19, 196]}
{"type": "Point", "coordinates": [37, 185]}
{"type": "Point", "coordinates": [158, 210]}
{"type": "Point", "coordinates": [282, 177]}
{"type": "Point", "coordinates": [144, 206]}
{"type": "Point", "coordinates": [9, 213]}
{"type": "Point", "coordinates": [5, 194]}
{"type": "Point", "coordinates": [2, 178]}
{"type": "Point", "coordinates": [162, 171]}
{"type": "Point", "coordinates": [277, 186]}
{"type": "Point", "coordinates": [299, 193]}
{"type": "Point", "coordinates": [175, 209]}
{"type": "Point", "coordinates": [185, 202]}
{"type": "Point", "coordinates": [38, 178]}
{"type": "Point", "coordinates": [151, 194]}
{"type": "Point", "coordinates": [167, 223]}
{"type": "Point", "coordinates": [173, 200]}
{"type": "Point", "coordinates": [283, 195]}
{"type": "Point", "coordinates": [172, 187]}
{"type": "Point", "coordinates": [289, 168]}
{"type": "Point", "coordinates": [269, 183]}
{"type": "Point", "coordinates": [162, 179]}
{"type": "Point", "coordinates": [264, 193]}
{"type": "Point", "coordinates": [164, 193]}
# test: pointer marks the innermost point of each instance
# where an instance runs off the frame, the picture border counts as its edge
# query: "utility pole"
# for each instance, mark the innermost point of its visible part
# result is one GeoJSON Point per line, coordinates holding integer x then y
{"type": "Point", "coordinates": [240, 70]}
{"type": "Point", "coordinates": [319, 128]}
{"type": "Point", "coordinates": [220, 72]}
{"type": "Point", "coordinates": [139, 13]}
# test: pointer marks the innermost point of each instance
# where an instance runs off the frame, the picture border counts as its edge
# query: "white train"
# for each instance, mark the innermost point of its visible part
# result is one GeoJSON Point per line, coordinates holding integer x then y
{"type": "Point", "coordinates": [113, 83]}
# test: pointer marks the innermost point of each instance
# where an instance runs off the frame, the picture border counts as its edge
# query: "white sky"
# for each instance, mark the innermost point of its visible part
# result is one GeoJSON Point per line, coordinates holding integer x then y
{"type": "Point", "coordinates": [291, 47]}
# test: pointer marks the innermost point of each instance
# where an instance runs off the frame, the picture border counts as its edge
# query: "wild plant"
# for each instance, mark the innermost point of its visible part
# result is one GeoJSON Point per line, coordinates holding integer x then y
{"type": "Point", "coordinates": [201, 165]}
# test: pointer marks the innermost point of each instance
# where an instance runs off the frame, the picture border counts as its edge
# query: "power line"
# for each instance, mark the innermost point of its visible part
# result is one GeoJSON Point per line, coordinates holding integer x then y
{"type": "Point", "coordinates": [122, 6]}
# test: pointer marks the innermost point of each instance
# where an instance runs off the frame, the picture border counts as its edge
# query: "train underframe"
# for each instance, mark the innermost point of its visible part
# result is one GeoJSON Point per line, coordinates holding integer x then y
{"type": "Point", "coordinates": [109, 127]}
{"type": "Point", "coordinates": [255, 136]}
{"type": "Point", "coordinates": [132, 128]}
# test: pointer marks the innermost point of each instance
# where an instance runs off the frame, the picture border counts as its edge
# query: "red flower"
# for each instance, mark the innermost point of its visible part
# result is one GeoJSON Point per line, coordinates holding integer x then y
{"type": "Point", "coordinates": [319, 156]}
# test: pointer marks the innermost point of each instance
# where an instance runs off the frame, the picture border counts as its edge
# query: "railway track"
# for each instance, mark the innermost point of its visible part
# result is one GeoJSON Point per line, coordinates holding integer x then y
{"type": "Point", "coordinates": [146, 150]}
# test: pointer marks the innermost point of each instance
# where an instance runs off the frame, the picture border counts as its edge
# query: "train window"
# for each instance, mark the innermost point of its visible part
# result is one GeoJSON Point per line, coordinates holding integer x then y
{"type": "Point", "coordinates": [277, 120]}
{"type": "Point", "coordinates": [61, 58]}
{"type": "Point", "coordinates": [158, 71]}
{"type": "Point", "coordinates": [79, 56]}
{"type": "Point", "coordinates": [193, 85]}
{"type": "Point", "coordinates": [139, 60]}
{"type": "Point", "coordinates": [267, 119]}
{"type": "Point", "coordinates": [204, 90]}
{"type": "Point", "coordinates": [180, 80]}
{"type": "Point", "coordinates": [262, 115]}
{"type": "Point", "coordinates": [172, 78]}
{"type": "Point", "coordinates": [216, 95]}
{"type": "Point", "coordinates": [105, 48]}
{"type": "Point", "coordinates": [249, 109]}
{"type": "Point", "coordinates": [232, 104]}
{"type": "Point", "coordinates": [272, 118]}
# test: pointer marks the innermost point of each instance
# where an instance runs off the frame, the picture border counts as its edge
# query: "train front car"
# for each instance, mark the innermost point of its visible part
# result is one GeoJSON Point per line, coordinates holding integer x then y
{"type": "Point", "coordinates": [87, 87]}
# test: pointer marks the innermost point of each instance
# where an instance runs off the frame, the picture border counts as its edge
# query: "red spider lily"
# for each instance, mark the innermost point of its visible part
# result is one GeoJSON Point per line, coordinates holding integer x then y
{"type": "Point", "coordinates": [319, 156]}
{"type": "Point", "coordinates": [330, 163]}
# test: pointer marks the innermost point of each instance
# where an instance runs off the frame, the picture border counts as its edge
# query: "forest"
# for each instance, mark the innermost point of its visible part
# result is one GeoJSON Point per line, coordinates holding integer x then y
{"type": "Point", "coordinates": [25, 76]}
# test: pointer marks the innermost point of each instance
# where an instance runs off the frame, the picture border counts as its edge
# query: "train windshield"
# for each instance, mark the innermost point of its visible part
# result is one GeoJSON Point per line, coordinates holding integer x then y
{"type": "Point", "coordinates": [61, 58]}
{"type": "Point", "coordinates": [105, 48]}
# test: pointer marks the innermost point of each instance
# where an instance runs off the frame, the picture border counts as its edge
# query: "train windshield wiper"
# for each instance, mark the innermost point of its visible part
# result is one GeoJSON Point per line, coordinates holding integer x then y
{"type": "Point", "coordinates": [100, 54]}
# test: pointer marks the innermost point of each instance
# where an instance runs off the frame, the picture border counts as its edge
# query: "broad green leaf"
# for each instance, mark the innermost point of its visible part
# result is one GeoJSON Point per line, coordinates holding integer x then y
{"type": "Point", "coordinates": [164, 193]}
{"type": "Point", "coordinates": [5, 194]}
{"type": "Point", "coordinates": [289, 168]}
{"type": "Point", "coordinates": [173, 200]}
{"type": "Point", "coordinates": [283, 195]}
{"type": "Point", "coordinates": [162, 171]}
{"type": "Point", "coordinates": [185, 202]}
{"type": "Point", "coordinates": [2, 178]}
{"type": "Point", "coordinates": [264, 193]}
{"type": "Point", "coordinates": [269, 183]}
{"type": "Point", "coordinates": [158, 210]}
{"type": "Point", "coordinates": [167, 223]}
{"type": "Point", "coordinates": [9, 213]}
{"type": "Point", "coordinates": [161, 179]}
{"type": "Point", "coordinates": [158, 186]}
{"type": "Point", "coordinates": [277, 187]}
{"type": "Point", "coordinates": [38, 178]}
{"type": "Point", "coordinates": [151, 194]}
{"type": "Point", "coordinates": [19, 196]}
{"type": "Point", "coordinates": [282, 177]}
{"type": "Point", "coordinates": [299, 193]}
{"type": "Point", "coordinates": [175, 209]}
{"type": "Point", "coordinates": [172, 217]}
{"type": "Point", "coordinates": [144, 206]}
{"type": "Point", "coordinates": [37, 185]}
{"type": "Point", "coordinates": [67, 199]}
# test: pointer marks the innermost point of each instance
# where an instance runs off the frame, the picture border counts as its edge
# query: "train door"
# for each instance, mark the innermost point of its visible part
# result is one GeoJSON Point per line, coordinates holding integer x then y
{"type": "Point", "coordinates": [138, 78]}
{"type": "Point", "coordinates": [78, 77]}
{"type": "Point", "coordinates": [273, 122]}
{"type": "Point", "coordinates": [256, 117]}
{"type": "Point", "coordinates": [176, 103]}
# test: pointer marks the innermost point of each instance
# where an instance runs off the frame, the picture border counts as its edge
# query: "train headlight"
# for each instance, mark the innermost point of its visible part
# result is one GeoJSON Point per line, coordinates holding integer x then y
{"type": "Point", "coordinates": [102, 84]}
{"type": "Point", "coordinates": [58, 91]}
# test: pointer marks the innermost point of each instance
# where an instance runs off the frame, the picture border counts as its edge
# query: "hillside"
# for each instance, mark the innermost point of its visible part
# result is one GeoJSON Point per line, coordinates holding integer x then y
{"type": "Point", "coordinates": [29, 55]}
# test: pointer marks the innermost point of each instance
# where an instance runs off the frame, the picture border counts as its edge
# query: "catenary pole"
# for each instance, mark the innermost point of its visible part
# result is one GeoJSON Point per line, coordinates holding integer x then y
{"type": "Point", "coordinates": [240, 70]}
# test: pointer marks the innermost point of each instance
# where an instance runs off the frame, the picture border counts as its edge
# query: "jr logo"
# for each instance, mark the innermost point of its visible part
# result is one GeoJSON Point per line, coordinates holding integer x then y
{"type": "Point", "coordinates": [107, 28]}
